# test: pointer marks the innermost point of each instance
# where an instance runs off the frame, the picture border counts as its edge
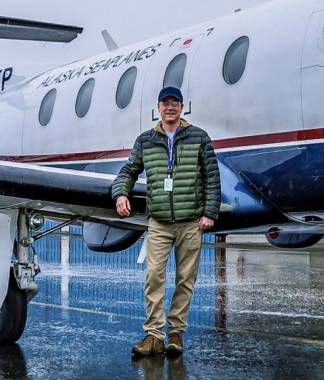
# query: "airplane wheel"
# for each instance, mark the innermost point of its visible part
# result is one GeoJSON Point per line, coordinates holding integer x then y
{"type": "Point", "coordinates": [13, 313]}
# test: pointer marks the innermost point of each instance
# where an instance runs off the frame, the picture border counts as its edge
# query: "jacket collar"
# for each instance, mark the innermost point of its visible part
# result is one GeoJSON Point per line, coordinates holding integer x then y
{"type": "Point", "coordinates": [183, 125]}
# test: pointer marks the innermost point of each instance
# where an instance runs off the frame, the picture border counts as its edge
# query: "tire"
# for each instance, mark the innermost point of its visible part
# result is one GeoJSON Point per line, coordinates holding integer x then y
{"type": "Point", "coordinates": [12, 362]}
{"type": "Point", "coordinates": [13, 313]}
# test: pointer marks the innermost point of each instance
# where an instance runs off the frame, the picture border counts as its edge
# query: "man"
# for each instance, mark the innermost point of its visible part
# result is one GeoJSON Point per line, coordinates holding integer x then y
{"type": "Point", "coordinates": [183, 198]}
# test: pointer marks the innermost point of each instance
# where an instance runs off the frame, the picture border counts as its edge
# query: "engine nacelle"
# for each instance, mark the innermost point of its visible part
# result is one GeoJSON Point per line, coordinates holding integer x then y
{"type": "Point", "coordinates": [292, 240]}
{"type": "Point", "coordinates": [101, 237]}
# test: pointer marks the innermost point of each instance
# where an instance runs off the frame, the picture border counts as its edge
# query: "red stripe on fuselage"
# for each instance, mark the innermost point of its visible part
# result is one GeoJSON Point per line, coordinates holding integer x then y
{"type": "Point", "coordinates": [86, 156]}
{"type": "Point", "coordinates": [273, 138]}
{"type": "Point", "coordinates": [236, 142]}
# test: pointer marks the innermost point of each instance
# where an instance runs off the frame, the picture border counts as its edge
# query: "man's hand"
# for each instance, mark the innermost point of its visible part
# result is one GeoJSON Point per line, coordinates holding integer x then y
{"type": "Point", "coordinates": [205, 223]}
{"type": "Point", "coordinates": [123, 206]}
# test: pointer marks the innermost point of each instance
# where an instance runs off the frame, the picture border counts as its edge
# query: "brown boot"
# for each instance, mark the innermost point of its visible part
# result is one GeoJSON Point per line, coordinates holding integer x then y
{"type": "Point", "coordinates": [175, 344]}
{"type": "Point", "coordinates": [148, 346]}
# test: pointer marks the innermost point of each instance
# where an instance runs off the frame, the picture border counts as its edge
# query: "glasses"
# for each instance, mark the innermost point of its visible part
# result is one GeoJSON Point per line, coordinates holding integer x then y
{"type": "Point", "coordinates": [173, 103]}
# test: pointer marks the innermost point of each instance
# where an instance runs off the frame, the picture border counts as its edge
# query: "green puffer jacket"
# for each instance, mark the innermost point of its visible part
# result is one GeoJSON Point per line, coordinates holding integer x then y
{"type": "Point", "coordinates": [196, 184]}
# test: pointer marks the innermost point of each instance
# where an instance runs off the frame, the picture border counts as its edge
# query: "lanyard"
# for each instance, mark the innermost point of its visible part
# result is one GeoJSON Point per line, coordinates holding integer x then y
{"type": "Point", "coordinates": [170, 155]}
{"type": "Point", "coordinates": [170, 151]}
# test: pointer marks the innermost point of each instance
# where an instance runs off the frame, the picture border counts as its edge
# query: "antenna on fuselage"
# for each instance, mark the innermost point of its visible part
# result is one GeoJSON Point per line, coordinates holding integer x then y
{"type": "Point", "coordinates": [109, 41]}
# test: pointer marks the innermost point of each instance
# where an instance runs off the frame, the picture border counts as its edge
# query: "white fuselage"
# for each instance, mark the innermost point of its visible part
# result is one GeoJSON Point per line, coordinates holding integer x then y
{"type": "Point", "coordinates": [276, 93]}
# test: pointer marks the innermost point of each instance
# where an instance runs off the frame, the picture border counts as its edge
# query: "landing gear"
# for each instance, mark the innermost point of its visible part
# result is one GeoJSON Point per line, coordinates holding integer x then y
{"type": "Point", "coordinates": [21, 287]}
{"type": "Point", "coordinates": [13, 313]}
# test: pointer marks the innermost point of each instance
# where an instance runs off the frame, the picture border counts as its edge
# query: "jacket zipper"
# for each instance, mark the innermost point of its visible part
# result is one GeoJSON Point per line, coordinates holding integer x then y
{"type": "Point", "coordinates": [176, 139]}
{"type": "Point", "coordinates": [171, 204]}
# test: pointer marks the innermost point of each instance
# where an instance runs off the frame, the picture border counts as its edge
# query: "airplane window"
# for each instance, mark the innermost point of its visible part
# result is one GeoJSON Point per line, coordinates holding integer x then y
{"type": "Point", "coordinates": [125, 87]}
{"type": "Point", "coordinates": [174, 73]}
{"type": "Point", "coordinates": [46, 107]}
{"type": "Point", "coordinates": [83, 100]}
{"type": "Point", "coordinates": [235, 60]}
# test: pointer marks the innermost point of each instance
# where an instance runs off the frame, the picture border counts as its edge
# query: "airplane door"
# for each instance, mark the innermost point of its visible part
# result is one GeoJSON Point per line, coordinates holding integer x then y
{"type": "Point", "coordinates": [313, 73]}
{"type": "Point", "coordinates": [170, 67]}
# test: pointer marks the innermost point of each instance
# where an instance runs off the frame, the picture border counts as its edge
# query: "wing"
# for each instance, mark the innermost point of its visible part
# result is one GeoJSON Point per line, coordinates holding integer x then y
{"type": "Point", "coordinates": [20, 29]}
{"type": "Point", "coordinates": [66, 193]}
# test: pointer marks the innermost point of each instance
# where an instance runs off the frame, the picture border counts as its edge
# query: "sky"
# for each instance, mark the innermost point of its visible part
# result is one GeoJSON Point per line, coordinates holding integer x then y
{"type": "Point", "coordinates": [128, 21]}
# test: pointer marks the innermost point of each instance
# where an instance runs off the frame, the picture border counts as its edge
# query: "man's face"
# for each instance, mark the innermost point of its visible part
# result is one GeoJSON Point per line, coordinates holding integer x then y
{"type": "Point", "coordinates": [170, 109]}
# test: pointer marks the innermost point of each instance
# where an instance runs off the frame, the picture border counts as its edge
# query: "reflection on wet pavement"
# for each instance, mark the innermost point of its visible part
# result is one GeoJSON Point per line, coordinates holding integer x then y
{"type": "Point", "coordinates": [155, 367]}
{"type": "Point", "coordinates": [256, 315]}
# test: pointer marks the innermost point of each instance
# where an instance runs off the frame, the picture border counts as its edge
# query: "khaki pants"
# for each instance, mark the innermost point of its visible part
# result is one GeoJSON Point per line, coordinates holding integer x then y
{"type": "Point", "coordinates": [187, 239]}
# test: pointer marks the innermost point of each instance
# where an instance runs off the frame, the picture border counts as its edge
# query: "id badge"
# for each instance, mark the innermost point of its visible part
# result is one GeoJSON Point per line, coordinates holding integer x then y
{"type": "Point", "coordinates": [168, 184]}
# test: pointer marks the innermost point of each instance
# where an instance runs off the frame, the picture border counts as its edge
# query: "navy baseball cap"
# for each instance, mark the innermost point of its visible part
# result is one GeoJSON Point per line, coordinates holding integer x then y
{"type": "Point", "coordinates": [170, 91]}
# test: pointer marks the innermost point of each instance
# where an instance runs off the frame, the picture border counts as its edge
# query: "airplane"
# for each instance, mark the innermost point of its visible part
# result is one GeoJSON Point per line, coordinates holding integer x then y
{"type": "Point", "coordinates": [251, 79]}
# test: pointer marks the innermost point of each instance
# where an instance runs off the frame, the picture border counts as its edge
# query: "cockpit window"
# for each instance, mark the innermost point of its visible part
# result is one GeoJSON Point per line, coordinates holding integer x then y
{"type": "Point", "coordinates": [46, 107]}
{"type": "Point", "coordinates": [83, 100]}
{"type": "Point", "coordinates": [125, 87]}
{"type": "Point", "coordinates": [175, 71]}
{"type": "Point", "coordinates": [235, 60]}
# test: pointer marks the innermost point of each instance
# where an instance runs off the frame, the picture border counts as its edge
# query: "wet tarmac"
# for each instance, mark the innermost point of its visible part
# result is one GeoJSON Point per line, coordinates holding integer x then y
{"type": "Point", "coordinates": [256, 315]}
